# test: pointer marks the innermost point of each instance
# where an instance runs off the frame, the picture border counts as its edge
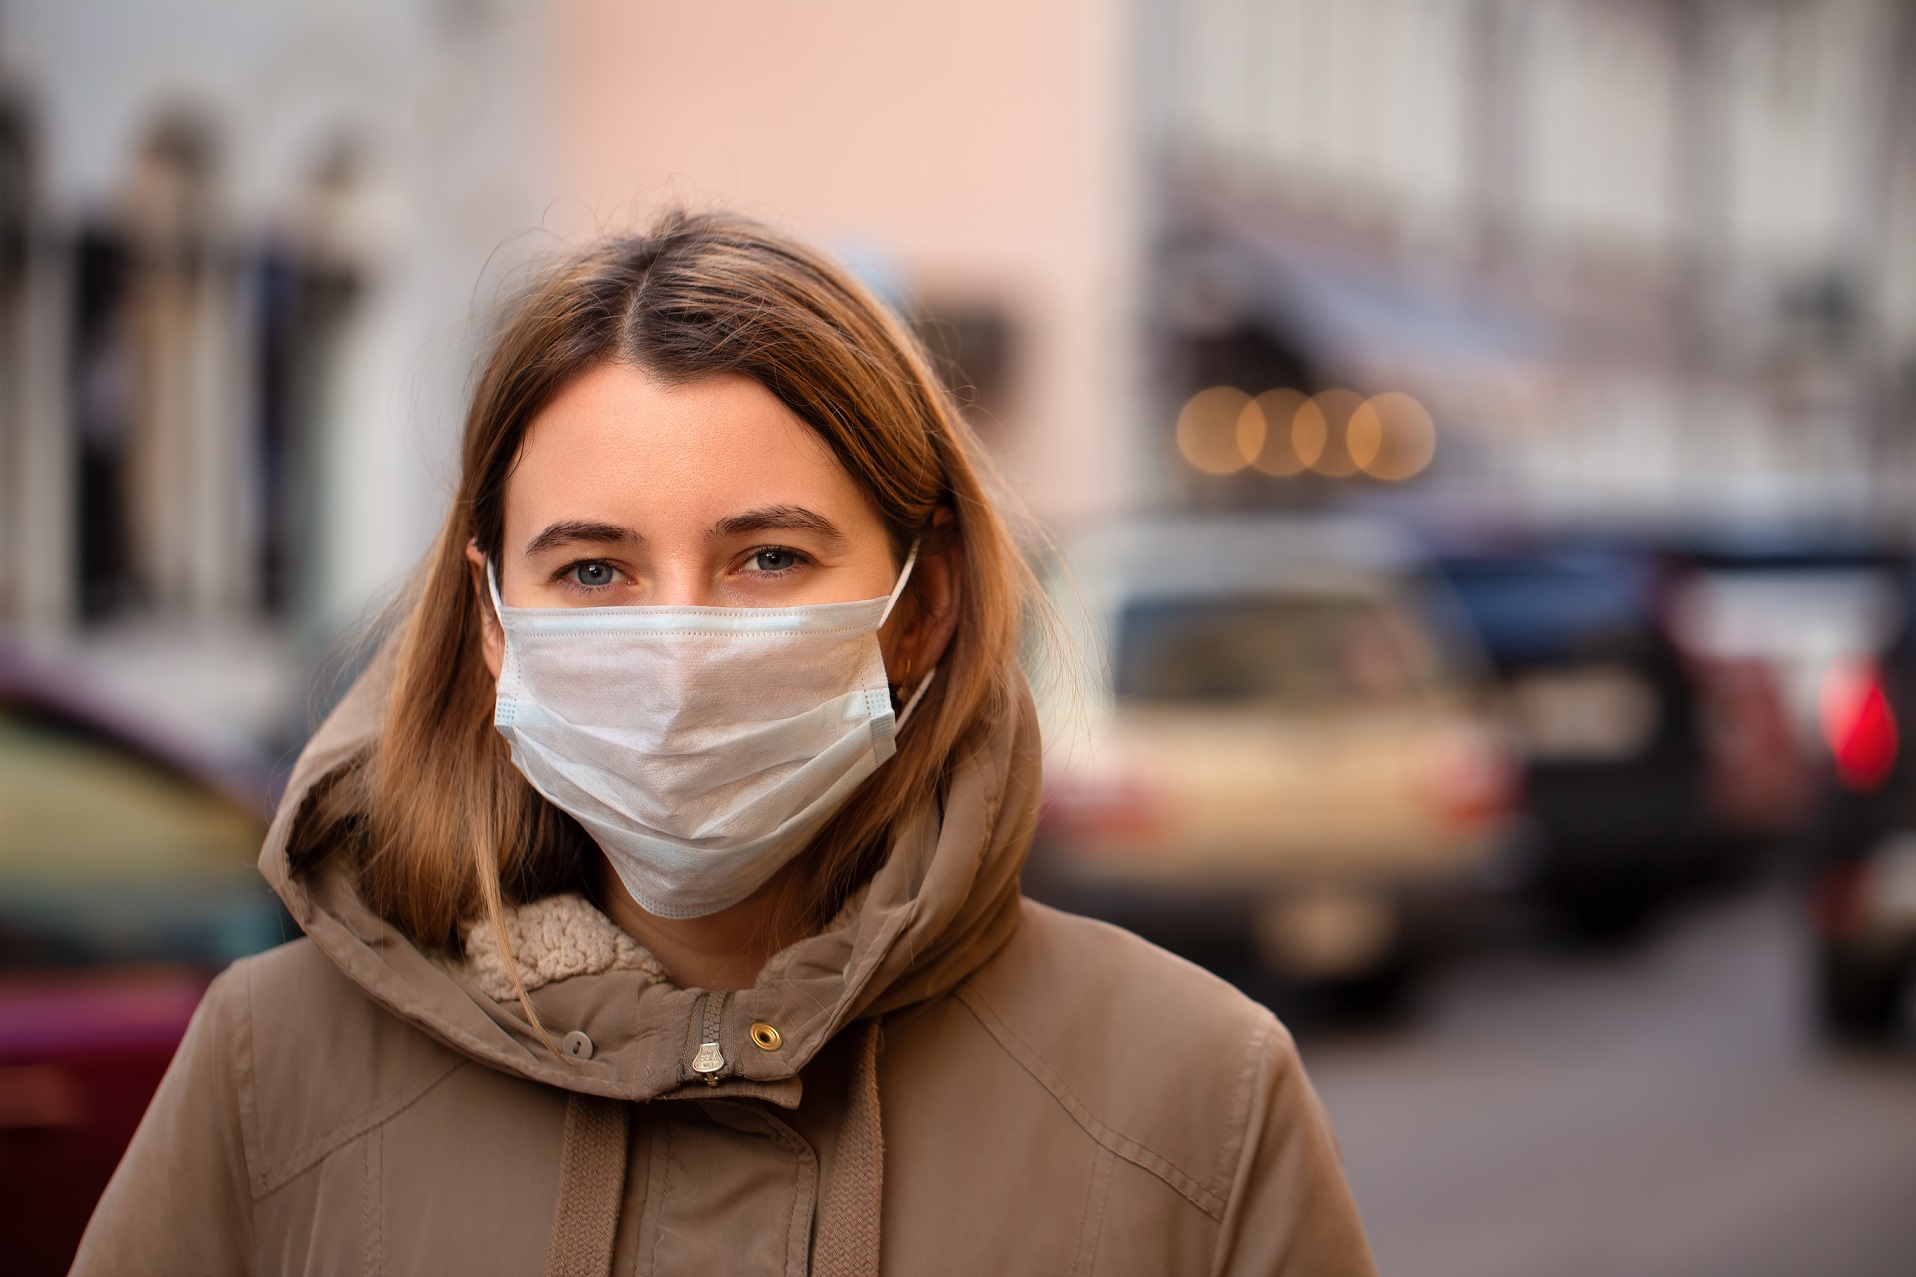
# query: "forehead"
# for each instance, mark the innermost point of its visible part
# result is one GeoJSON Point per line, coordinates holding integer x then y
{"type": "Point", "coordinates": [619, 444]}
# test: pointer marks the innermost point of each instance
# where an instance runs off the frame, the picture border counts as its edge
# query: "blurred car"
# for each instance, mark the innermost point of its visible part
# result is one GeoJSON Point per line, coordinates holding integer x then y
{"type": "Point", "coordinates": [1289, 755]}
{"type": "Point", "coordinates": [126, 882]}
{"type": "Point", "coordinates": [1625, 793]}
{"type": "Point", "coordinates": [1763, 621]}
{"type": "Point", "coordinates": [1862, 890]}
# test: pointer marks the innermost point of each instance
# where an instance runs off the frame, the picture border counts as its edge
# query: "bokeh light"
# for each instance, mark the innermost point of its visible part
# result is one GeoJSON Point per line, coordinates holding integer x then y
{"type": "Point", "coordinates": [1391, 437]}
{"type": "Point", "coordinates": [1208, 429]}
{"type": "Point", "coordinates": [1277, 452]}
{"type": "Point", "coordinates": [1252, 431]}
{"type": "Point", "coordinates": [1308, 432]}
{"type": "Point", "coordinates": [1321, 429]}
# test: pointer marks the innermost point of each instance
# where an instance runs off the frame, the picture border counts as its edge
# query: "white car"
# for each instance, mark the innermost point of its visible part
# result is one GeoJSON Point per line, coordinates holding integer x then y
{"type": "Point", "coordinates": [1280, 746]}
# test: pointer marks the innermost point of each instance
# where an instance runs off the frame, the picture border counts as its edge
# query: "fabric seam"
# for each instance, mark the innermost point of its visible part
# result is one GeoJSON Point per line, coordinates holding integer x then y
{"type": "Point", "coordinates": [273, 1179]}
{"type": "Point", "coordinates": [253, 1146]}
{"type": "Point", "coordinates": [1246, 1145]}
{"type": "Point", "coordinates": [804, 1158]}
{"type": "Point", "coordinates": [1091, 1220]}
{"type": "Point", "coordinates": [1237, 1120]}
{"type": "Point", "coordinates": [374, 1205]}
{"type": "Point", "coordinates": [665, 1187]}
{"type": "Point", "coordinates": [246, 1111]}
{"type": "Point", "coordinates": [1139, 1154]}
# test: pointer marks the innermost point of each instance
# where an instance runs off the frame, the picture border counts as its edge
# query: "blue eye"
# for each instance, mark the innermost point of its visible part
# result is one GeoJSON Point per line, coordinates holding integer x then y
{"type": "Point", "coordinates": [592, 574]}
{"type": "Point", "coordinates": [773, 559]}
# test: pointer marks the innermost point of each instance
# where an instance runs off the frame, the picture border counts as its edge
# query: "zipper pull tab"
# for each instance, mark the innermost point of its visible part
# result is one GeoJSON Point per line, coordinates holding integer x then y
{"type": "Point", "coordinates": [710, 1059]}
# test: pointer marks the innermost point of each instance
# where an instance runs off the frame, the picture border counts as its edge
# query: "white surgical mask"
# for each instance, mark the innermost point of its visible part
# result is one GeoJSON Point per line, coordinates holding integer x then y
{"type": "Point", "coordinates": [701, 747]}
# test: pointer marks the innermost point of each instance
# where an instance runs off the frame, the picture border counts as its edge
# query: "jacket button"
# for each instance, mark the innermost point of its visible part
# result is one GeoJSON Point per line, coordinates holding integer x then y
{"type": "Point", "coordinates": [577, 1045]}
{"type": "Point", "coordinates": [764, 1036]}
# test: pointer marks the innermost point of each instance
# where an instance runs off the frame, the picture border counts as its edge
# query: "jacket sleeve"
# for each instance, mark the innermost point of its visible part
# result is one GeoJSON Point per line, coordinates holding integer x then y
{"type": "Point", "coordinates": [179, 1201]}
{"type": "Point", "coordinates": [1290, 1211]}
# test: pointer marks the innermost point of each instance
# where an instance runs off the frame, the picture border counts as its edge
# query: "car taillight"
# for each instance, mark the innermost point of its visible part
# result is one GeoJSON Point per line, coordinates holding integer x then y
{"type": "Point", "coordinates": [1470, 778]}
{"type": "Point", "coordinates": [1858, 725]}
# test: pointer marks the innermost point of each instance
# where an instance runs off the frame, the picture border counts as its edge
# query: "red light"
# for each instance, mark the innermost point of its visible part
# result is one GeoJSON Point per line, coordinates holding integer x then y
{"type": "Point", "coordinates": [1858, 725]}
{"type": "Point", "coordinates": [1469, 780]}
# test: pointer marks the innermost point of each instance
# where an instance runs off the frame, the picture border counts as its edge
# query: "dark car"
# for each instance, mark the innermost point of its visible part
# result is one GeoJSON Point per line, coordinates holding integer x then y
{"type": "Point", "coordinates": [1609, 720]}
{"type": "Point", "coordinates": [1862, 889]}
{"type": "Point", "coordinates": [126, 882]}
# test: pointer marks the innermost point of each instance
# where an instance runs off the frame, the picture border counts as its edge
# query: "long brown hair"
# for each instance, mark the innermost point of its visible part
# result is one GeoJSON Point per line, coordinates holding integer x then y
{"type": "Point", "coordinates": [449, 832]}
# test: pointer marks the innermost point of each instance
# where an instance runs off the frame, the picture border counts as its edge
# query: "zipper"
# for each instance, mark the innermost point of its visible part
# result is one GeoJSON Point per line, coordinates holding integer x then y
{"type": "Point", "coordinates": [710, 1059]}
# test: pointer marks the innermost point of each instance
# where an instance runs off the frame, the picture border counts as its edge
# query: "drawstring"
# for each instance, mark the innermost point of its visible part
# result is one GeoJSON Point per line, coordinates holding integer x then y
{"type": "Point", "coordinates": [591, 1188]}
{"type": "Point", "coordinates": [846, 1244]}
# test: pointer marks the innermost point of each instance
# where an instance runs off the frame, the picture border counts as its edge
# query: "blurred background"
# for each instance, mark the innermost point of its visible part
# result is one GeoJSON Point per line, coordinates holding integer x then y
{"type": "Point", "coordinates": [1473, 444]}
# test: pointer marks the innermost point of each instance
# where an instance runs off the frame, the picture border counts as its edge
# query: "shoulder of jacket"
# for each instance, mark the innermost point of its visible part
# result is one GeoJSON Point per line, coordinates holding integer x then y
{"type": "Point", "coordinates": [1155, 1057]}
{"type": "Point", "coordinates": [317, 1062]}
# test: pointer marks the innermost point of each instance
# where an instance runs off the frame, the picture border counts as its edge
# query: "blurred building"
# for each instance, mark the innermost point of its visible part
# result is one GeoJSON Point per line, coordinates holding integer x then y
{"type": "Point", "coordinates": [1646, 259]}
{"type": "Point", "coordinates": [243, 242]}
{"type": "Point", "coordinates": [1650, 259]}
{"type": "Point", "coordinates": [244, 249]}
{"type": "Point", "coordinates": [975, 162]}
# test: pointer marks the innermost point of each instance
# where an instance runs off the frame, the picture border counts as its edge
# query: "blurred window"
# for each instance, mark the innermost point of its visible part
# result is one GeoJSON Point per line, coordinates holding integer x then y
{"type": "Point", "coordinates": [165, 294]}
{"type": "Point", "coordinates": [302, 305]}
{"type": "Point", "coordinates": [1298, 650]}
{"type": "Point", "coordinates": [306, 289]}
{"type": "Point", "coordinates": [101, 395]}
{"type": "Point", "coordinates": [1543, 611]}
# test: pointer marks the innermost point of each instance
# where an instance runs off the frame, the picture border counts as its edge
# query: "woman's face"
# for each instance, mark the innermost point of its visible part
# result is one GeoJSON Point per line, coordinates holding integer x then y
{"type": "Point", "coordinates": [632, 491]}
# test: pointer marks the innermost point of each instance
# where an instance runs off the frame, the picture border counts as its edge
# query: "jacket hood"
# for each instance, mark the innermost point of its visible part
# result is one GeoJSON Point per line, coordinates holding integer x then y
{"type": "Point", "coordinates": [944, 901]}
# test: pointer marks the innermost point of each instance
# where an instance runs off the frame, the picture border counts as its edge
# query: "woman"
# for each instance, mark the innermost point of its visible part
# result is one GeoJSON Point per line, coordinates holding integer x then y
{"type": "Point", "coordinates": [660, 878]}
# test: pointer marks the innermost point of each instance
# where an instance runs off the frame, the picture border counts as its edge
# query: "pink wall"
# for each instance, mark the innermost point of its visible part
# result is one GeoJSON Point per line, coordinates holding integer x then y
{"type": "Point", "coordinates": [981, 148]}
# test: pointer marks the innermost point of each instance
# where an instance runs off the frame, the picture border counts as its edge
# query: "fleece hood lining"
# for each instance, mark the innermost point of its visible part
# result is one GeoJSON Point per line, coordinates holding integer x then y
{"type": "Point", "coordinates": [552, 939]}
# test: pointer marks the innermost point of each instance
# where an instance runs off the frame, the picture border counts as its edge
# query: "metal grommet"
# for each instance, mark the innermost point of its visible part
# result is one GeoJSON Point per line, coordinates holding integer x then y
{"type": "Point", "coordinates": [577, 1045]}
{"type": "Point", "coordinates": [765, 1037]}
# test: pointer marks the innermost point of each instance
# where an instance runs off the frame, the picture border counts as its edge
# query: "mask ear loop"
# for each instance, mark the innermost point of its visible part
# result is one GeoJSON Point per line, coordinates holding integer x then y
{"type": "Point", "coordinates": [492, 588]}
{"type": "Point", "coordinates": [904, 575]}
{"type": "Point", "coordinates": [916, 696]}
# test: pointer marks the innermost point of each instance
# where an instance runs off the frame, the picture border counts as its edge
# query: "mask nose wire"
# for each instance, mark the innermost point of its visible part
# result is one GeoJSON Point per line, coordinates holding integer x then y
{"type": "Point", "coordinates": [904, 575]}
{"type": "Point", "coordinates": [891, 600]}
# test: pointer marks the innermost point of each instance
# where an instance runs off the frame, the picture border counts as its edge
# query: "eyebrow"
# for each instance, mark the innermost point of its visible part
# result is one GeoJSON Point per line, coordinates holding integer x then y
{"type": "Point", "coordinates": [575, 531]}
{"type": "Point", "coordinates": [787, 518]}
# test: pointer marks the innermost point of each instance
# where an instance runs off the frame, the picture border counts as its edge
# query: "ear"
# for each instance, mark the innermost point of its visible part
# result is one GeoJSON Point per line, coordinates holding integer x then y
{"type": "Point", "coordinates": [492, 638]}
{"type": "Point", "coordinates": [920, 628]}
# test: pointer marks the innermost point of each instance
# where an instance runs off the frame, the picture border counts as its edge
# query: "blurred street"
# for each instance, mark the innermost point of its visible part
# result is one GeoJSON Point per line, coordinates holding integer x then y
{"type": "Point", "coordinates": [1667, 1109]}
{"type": "Point", "coordinates": [1469, 447]}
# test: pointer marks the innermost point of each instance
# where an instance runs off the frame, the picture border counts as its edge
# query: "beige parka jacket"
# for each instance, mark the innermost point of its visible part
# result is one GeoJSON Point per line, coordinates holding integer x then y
{"type": "Point", "coordinates": [947, 1079]}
